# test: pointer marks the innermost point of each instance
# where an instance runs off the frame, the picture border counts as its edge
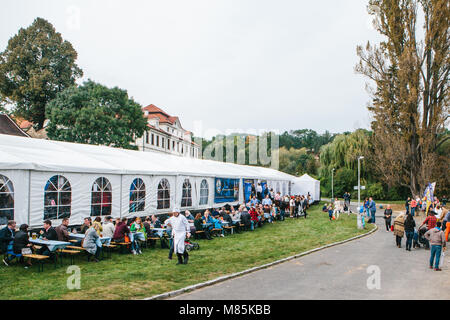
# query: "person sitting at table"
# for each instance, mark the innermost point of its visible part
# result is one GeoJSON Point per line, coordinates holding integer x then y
{"type": "Point", "coordinates": [148, 227]}
{"type": "Point", "coordinates": [267, 214]}
{"type": "Point", "coordinates": [86, 225]}
{"type": "Point", "coordinates": [6, 239]}
{"type": "Point", "coordinates": [246, 219]}
{"type": "Point", "coordinates": [98, 223]}
{"type": "Point", "coordinates": [139, 234]}
{"type": "Point", "coordinates": [198, 224]}
{"type": "Point", "coordinates": [215, 213]}
{"type": "Point", "coordinates": [108, 227]}
{"type": "Point", "coordinates": [121, 231]}
{"type": "Point", "coordinates": [90, 242]}
{"type": "Point", "coordinates": [155, 222]}
{"type": "Point", "coordinates": [21, 242]}
{"type": "Point", "coordinates": [236, 215]}
{"type": "Point", "coordinates": [218, 225]}
{"type": "Point", "coordinates": [61, 230]}
{"type": "Point", "coordinates": [190, 218]}
{"type": "Point", "coordinates": [227, 218]}
{"type": "Point", "coordinates": [208, 219]}
{"type": "Point", "coordinates": [48, 233]}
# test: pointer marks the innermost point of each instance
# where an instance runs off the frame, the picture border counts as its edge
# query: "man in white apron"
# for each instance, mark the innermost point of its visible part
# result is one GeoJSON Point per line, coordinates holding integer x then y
{"type": "Point", "coordinates": [180, 230]}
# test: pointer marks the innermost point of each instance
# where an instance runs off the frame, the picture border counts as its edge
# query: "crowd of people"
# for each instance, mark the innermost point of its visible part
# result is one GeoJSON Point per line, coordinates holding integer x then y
{"type": "Point", "coordinates": [260, 209]}
{"type": "Point", "coordinates": [432, 233]}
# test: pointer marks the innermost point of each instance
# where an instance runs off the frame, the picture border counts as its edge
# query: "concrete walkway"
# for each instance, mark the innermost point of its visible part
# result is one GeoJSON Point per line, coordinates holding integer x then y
{"type": "Point", "coordinates": [342, 272]}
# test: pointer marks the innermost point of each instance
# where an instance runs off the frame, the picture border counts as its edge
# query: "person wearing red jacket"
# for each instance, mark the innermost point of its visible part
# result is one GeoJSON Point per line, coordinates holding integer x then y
{"type": "Point", "coordinates": [254, 216]}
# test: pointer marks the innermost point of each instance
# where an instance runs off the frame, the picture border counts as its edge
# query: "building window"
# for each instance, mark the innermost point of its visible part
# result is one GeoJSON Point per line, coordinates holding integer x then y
{"type": "Point", "coordinates": [146, 137]}
{"type": "Point", "coordinates": [101, 203]}
{"type": "Point", "coordinates": [157, 141]}
{"type": "Point", "coordinates": [153, 139]}
{"type": "Point", "coordinates": [137, 195]}
{"type": "Point", "coordinates": [6, 200]}
{"type": "Point", "coordinates": [204, 192]}
{"type": "Point", "coordinates": [163, 194]}
{"type": "Point", "coordinates": [173, 145]}
{"type": "Point", "coordinates": [162, 142]}
{"type": "Point", "coordinates": [168, 144]}
{"type": "Point", "coordinates": [186, 196]}
{"type": "Point", "coordinates": [57, 198]}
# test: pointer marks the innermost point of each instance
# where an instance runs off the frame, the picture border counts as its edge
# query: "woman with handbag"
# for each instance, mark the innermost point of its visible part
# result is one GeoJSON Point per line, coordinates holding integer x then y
{"type": "Point", "coordinates": [388, 217]}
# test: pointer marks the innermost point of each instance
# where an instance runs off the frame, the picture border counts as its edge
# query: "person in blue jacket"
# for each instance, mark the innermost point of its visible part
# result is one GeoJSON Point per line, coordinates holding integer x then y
{"type": "Point", "coordinates": [373, 209]}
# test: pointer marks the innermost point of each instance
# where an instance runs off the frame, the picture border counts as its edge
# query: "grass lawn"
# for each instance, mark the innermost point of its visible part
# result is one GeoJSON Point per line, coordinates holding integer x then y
{"type": "Point", "coordinates": [134, 277]}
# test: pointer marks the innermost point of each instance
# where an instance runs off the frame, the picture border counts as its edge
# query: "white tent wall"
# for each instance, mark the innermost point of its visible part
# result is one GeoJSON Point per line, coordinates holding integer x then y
{"type": "Point", "coordinates": [82, 164]}
{"type": "Point", "coordinates": [19, 179]}
{"type": "Point", "coordinates": [198, 183]}
{"type": "Point", "coordinates": [179, 193]}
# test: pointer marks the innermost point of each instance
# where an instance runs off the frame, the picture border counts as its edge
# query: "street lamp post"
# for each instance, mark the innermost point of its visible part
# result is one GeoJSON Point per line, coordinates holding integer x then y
{"type": "Point", "coordinates": [359, 181]}
{"type": "Point", "coordinates": [332, 185]}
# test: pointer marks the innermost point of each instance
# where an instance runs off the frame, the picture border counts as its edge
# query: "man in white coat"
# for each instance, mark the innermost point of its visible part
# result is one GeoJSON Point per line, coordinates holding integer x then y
{"type": "Point", "coordinates": [180, 230]}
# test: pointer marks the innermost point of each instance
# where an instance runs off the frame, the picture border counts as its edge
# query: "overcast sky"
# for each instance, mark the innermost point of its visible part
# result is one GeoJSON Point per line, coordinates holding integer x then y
{"type": "Point", "coordinates": [230, 64]}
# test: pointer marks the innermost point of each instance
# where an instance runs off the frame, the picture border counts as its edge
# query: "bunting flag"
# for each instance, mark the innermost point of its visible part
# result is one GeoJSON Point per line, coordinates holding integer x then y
{"type": "Point", "coordinates": [429, 195]}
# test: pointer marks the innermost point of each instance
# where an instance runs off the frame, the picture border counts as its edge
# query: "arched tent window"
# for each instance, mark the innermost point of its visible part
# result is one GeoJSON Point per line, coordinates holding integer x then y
{"type": "Point", "coordinates": [204, 192]}
{"type": "Point", "coordinates": [57, 198]}
{"type": "Point", "coordinates": [137, 195]}
{"type": "Point", "coordinates": [163, 194]}
{"type": "Point", "coordinates": [101, 197]}
{"type": "Point", "coordinates": [186, 197]}
{"type": "Point", "coordinates": [6, 200]}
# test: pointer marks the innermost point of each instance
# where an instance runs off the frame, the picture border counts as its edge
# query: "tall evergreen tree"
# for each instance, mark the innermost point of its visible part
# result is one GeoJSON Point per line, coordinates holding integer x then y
{"type": "Point", "coordinates": [410, 104]}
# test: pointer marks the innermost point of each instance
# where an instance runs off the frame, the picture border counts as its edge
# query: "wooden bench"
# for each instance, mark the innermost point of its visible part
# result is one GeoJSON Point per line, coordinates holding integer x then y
{"type": "Point", "coordinates": [199, 233]}
{"type": "Point", "coordinates": [122, 245]}
{"type": "Point", "coordinates": [39, 258]}
{"type": "Point", "coordinates": [109, 248]}
{"type": "Point", "coordinates": [229, 229]}
{"type": "Point", "coordinates": [76, 248]}
{"type": "Point", "coordinates": [71, 253]}
{"type": "Point", "coordinates": [216, 232]}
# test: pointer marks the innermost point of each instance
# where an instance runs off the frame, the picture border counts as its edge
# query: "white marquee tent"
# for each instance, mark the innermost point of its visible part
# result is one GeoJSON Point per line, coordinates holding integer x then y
{"type": "Point", "coordinates": [306, 184]}
{"type": "Point", "coordinates": [42, 179]}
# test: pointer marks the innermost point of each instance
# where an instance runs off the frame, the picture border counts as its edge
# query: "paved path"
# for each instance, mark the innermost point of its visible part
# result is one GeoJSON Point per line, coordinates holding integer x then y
{"type": "Point", "coordinates": [340, 272]}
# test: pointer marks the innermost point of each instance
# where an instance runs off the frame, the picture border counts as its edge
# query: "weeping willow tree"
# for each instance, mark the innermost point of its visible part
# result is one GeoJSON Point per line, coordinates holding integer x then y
{"type": "Point", "coordinates": [343, 152]}
{"type": "Point", "coordinates": [410, 100]}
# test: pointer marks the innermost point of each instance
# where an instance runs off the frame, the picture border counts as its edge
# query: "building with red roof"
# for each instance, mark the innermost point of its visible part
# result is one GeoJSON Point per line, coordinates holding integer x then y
{"type": "Point", "coordinates": [166, 134]}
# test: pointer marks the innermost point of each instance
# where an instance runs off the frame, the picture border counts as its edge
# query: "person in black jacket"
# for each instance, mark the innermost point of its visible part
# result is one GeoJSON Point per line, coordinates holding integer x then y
{"type": "Point", "coordinates": [48, 233]}
{"type": "Point", "coordinates": [410, 224]}
{"type": "Point", "coordinates": [21, 241]}
{"type": "Point", "coordinates": [246, 219]}
{"type": "Point", "coordinates": [388, 217]}
{"type": "Point", "coordinates": [6, 238]}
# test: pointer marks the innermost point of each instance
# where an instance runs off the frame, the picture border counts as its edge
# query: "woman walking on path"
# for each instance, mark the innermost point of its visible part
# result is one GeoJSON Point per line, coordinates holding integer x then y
{"type": "Point", "coordinates": [388, 217]}
{"type": "Point", "coordinates": [399, 229]}
{"type": "Point", "coordinates": [410, 224]}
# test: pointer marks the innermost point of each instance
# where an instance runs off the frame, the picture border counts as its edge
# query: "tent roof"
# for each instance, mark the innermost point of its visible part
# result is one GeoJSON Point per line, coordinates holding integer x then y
{"type": "Point", "coordinates": [56, 156]}
{"type": "Point", "coordinates": [306, 177]}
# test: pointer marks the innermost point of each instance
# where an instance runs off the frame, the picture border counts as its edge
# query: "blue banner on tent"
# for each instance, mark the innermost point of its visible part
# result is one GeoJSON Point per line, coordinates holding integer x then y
{"type": "Point", "coordinates": [226, 190]}
{"type": "Point", "coordinates": [247, 189]}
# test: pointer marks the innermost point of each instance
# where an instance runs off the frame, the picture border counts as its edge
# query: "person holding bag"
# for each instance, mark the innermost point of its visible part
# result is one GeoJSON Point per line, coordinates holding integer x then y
{"type": "Point", "coordinates": [399, 229]}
